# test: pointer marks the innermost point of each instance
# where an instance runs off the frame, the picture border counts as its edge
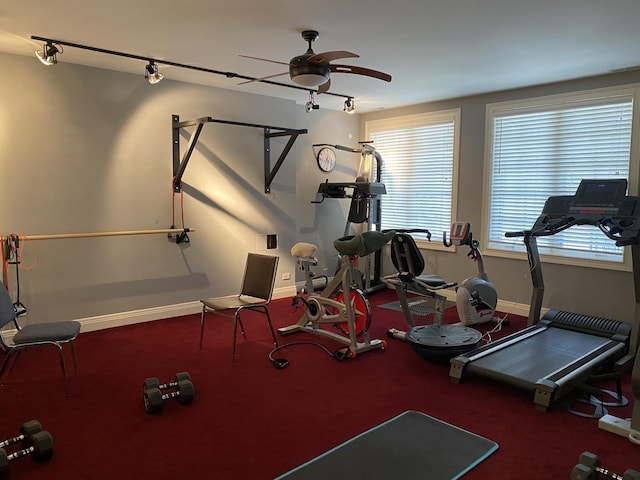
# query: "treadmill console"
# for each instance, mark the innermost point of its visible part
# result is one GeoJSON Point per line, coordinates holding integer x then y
{"type": "Point", "coordinates": [602, 203]}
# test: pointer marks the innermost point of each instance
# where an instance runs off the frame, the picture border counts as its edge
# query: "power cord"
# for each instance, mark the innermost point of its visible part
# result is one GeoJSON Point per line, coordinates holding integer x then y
{"type": "Point", "coordinates": [280, 363]}
{"type": "Point", "coordinates": [501, 321]}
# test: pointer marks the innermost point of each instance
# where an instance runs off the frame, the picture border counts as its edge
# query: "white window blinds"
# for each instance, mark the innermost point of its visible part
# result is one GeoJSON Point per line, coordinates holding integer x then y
{"type": "Point", "coordinates": [419, 168]}
{"type": "Point", "coordinates": [544, 148]}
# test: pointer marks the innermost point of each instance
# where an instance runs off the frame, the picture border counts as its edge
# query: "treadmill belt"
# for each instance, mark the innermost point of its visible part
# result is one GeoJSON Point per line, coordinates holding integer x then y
{"type": "Point", "coordinates": [537, 356]}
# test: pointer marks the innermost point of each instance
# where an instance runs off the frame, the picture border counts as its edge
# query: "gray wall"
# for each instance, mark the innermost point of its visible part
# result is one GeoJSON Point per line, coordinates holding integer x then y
{"type": "Point", "coordinates": [86, 150]}
{"type": "Point", "coordinates": [322, 223]}
{"type": "Point", "coordinates": [584, 290]}
{"type": "Point", "coordinates": [89, 150]}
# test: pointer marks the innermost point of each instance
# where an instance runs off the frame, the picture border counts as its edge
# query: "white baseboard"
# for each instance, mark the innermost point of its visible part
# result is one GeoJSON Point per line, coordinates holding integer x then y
{"type": "Point", "coordinates": [100, 322]}
{"type": "Point", "coordinates": [503, 306]}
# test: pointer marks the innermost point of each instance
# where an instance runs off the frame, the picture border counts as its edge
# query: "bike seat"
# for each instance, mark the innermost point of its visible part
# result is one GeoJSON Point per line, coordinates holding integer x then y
{"type": "Point", "coordinates": [364, 243]}
{"type": "Point", "coordinates": [303, 250]}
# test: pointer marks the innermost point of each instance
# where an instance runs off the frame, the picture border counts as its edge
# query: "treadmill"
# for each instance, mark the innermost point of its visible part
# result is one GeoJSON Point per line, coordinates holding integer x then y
{"type": "Point", "coordinates": [562, 350]}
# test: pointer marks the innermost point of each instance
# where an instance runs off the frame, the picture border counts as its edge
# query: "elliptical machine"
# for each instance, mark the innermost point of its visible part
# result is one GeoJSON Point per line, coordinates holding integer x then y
{"type": "Point", "coordinates": [476, 297]}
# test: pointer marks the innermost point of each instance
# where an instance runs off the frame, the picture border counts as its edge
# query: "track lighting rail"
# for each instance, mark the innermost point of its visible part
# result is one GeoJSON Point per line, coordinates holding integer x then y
{"type": "Point", "coordinates": [180, 164]}
{"type": "Point", "coordinates": [180, 65]}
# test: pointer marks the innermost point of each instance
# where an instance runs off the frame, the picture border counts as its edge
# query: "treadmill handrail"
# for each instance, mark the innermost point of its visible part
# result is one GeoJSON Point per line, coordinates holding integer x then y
{"type": "Point", "coordinates": [548, 229]}
{"type": "Point", "coordinates": [611, 228]}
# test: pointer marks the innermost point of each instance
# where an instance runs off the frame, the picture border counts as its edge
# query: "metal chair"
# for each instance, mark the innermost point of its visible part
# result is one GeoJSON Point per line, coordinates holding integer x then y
{"type": "Point", "coordinates": [34, 335]}
{"type": "Point", "coordinates": [257, 289]}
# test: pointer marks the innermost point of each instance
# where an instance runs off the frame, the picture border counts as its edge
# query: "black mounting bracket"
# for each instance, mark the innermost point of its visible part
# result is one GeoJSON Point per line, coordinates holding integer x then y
{"type": "Point", "coordinates": [180, 164]}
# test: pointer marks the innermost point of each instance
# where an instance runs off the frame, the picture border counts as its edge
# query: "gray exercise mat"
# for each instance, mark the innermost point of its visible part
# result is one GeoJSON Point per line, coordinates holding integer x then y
{"type": "Point", "coordinates": [410, 446]}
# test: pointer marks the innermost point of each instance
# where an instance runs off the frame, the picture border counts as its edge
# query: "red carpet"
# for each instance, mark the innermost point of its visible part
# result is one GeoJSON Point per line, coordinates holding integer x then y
{"type": "Point", "coordinates": [252, 421]}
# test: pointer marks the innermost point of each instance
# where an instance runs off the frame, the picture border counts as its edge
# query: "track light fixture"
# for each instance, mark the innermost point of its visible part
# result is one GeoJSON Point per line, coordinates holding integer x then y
{"type": "Point", "coordinates": [52, 47]}
{"type": "Point", "coordinates": [349, 105]}
{"type": "Point", "coordinates": [48, 53]}
{"type": "Point", "coordinates": [311, 104]}
{"type": "Point", "coordinates": [151, 73]}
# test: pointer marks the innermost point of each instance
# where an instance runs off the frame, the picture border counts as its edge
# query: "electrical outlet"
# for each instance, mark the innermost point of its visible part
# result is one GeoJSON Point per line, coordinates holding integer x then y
{"type": "Point", "coordinates": [286, 276]}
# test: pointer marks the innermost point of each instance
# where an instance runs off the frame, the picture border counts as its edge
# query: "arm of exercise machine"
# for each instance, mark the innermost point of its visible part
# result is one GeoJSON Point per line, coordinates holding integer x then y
{"type": "Point", "coordinates": [426, 232]}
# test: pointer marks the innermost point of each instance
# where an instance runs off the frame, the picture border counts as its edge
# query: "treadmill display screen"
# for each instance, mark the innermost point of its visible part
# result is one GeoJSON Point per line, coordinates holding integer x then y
{"type": "Point", "coordinates": [602, 190]}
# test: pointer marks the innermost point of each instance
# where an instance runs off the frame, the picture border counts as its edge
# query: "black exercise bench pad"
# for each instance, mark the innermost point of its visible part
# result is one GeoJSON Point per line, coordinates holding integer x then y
{"type": "Point", "coordinates": [410, 446]}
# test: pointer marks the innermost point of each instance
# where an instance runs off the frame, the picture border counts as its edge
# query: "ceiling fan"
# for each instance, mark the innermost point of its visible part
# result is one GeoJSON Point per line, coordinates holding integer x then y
{"type": "Point", "coordinates": [314, 69]}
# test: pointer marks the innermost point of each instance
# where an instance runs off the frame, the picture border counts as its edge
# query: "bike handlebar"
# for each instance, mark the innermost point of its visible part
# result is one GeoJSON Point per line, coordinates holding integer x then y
{"type": "Point", "coordinates": [426, 232]}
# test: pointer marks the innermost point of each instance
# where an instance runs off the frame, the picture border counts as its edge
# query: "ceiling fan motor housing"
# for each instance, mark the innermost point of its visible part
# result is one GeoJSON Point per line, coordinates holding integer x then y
{"type": "Point", "coordinates": [308, 74]}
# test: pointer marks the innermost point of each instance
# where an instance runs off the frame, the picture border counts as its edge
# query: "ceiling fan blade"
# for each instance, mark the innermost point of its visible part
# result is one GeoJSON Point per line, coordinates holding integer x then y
{"type": "Point", "coordinates": [264, 59]}
{"type": "Point", "coordinates": [263, 78]}
{"type": "Point", "coordinates": [324, 88]}
{"type": "Point", "coordinates": [326, 57]}
{"type": "Point", "coordinates": [360, 71]}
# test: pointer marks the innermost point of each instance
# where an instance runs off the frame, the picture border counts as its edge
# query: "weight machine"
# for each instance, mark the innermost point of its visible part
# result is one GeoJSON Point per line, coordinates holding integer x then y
{"type": "Point", "coordinates": [365, 208]}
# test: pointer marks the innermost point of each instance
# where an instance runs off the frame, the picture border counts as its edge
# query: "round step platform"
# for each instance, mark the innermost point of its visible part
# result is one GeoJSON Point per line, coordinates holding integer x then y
{"type": "Point", "coordinates": [442, 342]}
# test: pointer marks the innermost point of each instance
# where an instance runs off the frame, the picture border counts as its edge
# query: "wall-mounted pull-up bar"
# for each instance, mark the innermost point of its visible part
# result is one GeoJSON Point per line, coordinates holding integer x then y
{"type": "Point", "coordinates": [56, 236]}
{"type": "Point", "coordinates": [180, 164]}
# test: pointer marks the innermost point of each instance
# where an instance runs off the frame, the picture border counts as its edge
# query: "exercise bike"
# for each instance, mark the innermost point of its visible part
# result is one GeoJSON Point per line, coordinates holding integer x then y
{"type": "Point", "coordinates": [305, 258]}
{"type": "Point", "coordinates": [476, 297]}
{"type": "Point", "coordinates": [349, 318]}
{"type": "Point", "coordinates": [436, 342]}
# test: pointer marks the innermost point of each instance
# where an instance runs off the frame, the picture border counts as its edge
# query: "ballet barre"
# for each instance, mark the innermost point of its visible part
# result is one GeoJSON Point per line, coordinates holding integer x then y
{"type": "Point", "coordinates": [180, 234]}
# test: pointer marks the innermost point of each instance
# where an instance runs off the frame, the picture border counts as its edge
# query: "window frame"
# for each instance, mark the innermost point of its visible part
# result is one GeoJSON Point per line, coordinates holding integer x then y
{"type": "Point", "coordinates": [550, 103]}
{"type": "Point", "coordinates": [419, 120]}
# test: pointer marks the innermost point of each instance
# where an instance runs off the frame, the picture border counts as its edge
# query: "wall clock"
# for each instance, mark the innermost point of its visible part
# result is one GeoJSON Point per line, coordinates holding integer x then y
{"type": "Point", "coordinates": [326, 158]}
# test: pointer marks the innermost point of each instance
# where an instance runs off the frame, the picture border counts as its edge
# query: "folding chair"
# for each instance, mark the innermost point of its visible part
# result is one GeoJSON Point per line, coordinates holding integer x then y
{"type": "Point", "coordinates": [34, 335]}
{"type": "Point", "coordinates": [257, 289]}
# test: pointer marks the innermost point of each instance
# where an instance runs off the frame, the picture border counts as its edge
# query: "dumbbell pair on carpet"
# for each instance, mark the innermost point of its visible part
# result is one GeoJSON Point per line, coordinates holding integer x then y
{"type": "Point", "coordinates": [34, 441]}
{"type": "Point", "coordinates": [588, 468]}
{"type": "Point", "coordinates": [181, 389]}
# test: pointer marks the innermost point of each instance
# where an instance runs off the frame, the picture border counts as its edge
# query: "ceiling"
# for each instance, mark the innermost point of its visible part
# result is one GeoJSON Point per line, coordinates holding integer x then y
{"type": "Point", "coordinates": [434, 49]}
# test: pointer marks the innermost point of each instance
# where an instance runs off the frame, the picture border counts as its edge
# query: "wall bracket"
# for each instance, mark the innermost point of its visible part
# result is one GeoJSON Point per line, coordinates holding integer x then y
{"type": "Point", "coordinates": [180, 164]}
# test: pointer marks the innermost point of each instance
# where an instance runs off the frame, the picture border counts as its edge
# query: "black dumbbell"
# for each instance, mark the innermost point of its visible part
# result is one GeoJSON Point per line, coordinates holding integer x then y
{"type": "Point", "coordinates": [40, 445]}
{"type": "Point", "coordinates": [153, 396]}
{"type": "Point", "coordinates": [27, 429]}
{"type": "Point", "coordinates": [589, 468]}
{"type": "Point", "coordinates": [153, 382]}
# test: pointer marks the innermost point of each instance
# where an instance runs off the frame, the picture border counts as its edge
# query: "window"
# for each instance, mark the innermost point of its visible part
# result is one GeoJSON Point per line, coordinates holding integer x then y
{"type": "Point", "coordinates": [419, 169]}
{"type": "Point", "coordinates": [543, 147]}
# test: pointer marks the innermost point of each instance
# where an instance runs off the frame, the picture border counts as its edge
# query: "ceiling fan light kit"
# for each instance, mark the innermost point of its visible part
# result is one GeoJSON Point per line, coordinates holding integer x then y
{"type": "Point", "coordinates": [314, 70]}
{"type": "Point", "coordinates": [309, 75]}
{"type": "Point", "coordinates": [305, 72]}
